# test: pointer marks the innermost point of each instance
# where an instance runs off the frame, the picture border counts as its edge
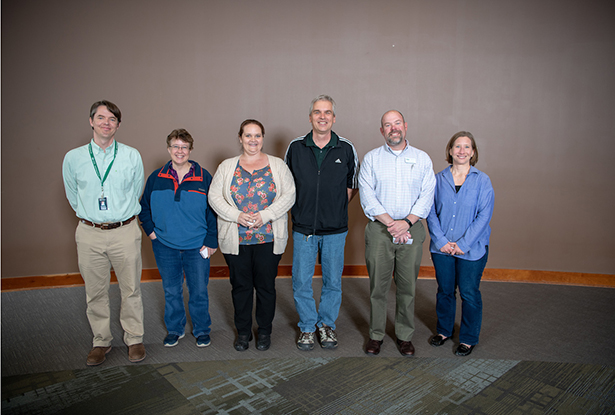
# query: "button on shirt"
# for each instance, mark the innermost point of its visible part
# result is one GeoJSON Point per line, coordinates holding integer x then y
{"type": "Point", "coordinates": [122, 188]}
{"type": "Point", "coordinates": [396, 184]}
{"type": "Point", "coordinates": [462, 217]}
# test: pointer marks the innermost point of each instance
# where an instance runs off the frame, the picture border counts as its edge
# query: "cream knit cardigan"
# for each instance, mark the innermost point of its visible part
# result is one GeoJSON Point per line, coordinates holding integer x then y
{"type": "Point", "coordinates": [223, 204]}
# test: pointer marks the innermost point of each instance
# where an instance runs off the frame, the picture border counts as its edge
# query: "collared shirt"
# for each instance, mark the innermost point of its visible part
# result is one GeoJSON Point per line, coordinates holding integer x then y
{"type": "Point", "coordinates": [462, 217]}
{"type": "Point", "coordinates": [320, 153]}
{"type": "Point", "coordinates": [173, 172]}
{"type": "Point", "coordinates": [122, 188]}
{"type": "Point", "coordinates": [396, 184]}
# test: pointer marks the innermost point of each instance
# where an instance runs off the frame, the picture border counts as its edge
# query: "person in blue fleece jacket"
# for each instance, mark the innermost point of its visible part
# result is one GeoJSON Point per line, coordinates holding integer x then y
{"type": "Point", "coordinates": [175, 214]}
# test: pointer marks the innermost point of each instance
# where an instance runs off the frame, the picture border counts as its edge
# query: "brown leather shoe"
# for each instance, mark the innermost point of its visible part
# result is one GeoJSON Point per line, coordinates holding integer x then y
{"type": "Point", "coordinates": [405, 348]}
{"type": "Point", "coordinates": [97, 355]}
{"type": "Point", "coordinates": [373, 347]}
{"type": "Point", "coordinates": [136, 352]}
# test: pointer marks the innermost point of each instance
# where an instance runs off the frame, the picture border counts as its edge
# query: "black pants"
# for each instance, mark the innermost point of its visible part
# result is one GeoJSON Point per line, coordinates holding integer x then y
{"type": "Point", "coordinates": [255, 268]}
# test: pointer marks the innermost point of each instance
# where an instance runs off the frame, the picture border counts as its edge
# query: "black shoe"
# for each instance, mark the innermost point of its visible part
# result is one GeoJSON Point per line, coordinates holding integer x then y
{"type": "Point", "coordinates": [463, 350]}
{"type": "Point", "coordinates": [263, 342]}
{"type": "Point", "coordinates": [438, 340]}
{"type": "Point", "coordinates": [243, 342]}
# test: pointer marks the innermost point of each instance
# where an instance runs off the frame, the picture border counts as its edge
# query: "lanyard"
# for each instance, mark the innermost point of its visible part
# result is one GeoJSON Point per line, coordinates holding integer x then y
{"type": "Point", "coordinates": [102, 181]}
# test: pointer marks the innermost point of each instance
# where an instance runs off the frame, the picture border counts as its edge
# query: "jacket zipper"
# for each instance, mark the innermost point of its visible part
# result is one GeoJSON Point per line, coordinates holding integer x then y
{"type": "Point", "coordinates": [317, 197]}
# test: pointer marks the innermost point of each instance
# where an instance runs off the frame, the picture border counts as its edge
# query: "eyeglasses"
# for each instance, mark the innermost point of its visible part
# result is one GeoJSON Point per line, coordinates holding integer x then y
{"type": "Point", "coordinates": [182, 148]}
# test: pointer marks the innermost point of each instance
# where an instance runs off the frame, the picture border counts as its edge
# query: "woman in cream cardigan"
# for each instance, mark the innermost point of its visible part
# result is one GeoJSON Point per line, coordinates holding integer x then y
{"type": "Point", "coordinates": [251, 194]}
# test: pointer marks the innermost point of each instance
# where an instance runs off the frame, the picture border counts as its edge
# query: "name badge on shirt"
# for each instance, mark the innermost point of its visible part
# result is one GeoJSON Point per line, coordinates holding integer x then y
{"type": "Point", "coordinates": [102, 203]}
{"type": "Point", "coordinates": [410, 160]}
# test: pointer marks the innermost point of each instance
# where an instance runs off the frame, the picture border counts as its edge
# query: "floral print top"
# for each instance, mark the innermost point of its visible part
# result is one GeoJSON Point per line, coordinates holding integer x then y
{"type": "Point", "coordinates": [253, 192]}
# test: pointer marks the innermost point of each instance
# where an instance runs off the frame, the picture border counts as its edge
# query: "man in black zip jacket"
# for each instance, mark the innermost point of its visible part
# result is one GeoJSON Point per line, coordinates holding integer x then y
{"type": "Point", "coordinates": [325, 167]}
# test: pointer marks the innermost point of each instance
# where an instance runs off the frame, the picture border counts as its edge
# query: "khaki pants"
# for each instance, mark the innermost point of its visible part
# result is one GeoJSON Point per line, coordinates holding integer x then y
{"type": "Point", "coordinates": [99, 250]}
{"type": "Point", "coordinates": [386, 260]}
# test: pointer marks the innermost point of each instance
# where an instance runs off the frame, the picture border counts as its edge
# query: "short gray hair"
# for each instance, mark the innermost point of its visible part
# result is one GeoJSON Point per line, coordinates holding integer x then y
{"type": "Point", "coordinates": [322, 98]}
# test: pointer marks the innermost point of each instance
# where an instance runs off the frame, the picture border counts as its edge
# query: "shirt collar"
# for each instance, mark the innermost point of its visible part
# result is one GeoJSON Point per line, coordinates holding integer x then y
{"type": "Point", "coordinates": [309, 140]}
{"type": "Point", "coordinates": [98, 149]}
{"type": "Point", "coordinates": [390, 150]}
{"type": "Point", "coordinates": [173, 172]}
{"type": "Point", "coordinates": [449, 171]}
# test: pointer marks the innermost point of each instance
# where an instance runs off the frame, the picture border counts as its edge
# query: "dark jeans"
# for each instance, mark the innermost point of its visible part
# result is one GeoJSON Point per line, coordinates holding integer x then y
{"type": "Point", "coordinates": [255, 268]}
{"type": "Point", "coordinates": [452, 272]}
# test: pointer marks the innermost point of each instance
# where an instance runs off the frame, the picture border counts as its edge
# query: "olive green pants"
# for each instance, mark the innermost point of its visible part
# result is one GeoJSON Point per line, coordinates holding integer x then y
{"type": "Point", "coordinates": [385, 261]}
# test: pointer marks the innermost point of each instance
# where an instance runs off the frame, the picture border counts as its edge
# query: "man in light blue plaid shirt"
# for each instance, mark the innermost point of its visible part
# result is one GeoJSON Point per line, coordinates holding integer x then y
{"type": "Point", "coordinates": [396, 184]}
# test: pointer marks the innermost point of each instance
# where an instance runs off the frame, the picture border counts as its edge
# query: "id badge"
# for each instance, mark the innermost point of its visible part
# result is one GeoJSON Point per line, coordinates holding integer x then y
{"type": "Point", "coordinates": [102, 203]}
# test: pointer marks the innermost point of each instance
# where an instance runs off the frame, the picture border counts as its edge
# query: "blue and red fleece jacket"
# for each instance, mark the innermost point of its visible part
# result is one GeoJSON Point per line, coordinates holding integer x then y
{"type": "Point", "coordinates": [179, 214]}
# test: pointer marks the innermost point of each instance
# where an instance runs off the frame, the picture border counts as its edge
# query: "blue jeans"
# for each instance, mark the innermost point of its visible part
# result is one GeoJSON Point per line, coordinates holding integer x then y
{"type": "Point", "coordinates": [451, 273]}
{"type": "Point", "coordinates": [172, 264]}
{"type": "Point", "coordinates": [305, 250]}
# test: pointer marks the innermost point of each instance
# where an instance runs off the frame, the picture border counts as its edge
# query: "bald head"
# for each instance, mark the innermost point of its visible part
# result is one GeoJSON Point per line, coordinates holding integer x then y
{"type": "Point", "coordinates": [391, 111]}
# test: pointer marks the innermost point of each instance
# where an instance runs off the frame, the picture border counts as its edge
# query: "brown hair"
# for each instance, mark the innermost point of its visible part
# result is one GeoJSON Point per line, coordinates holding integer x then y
{"type": "Point", "coordinates": [113, 109]}
{"type": "Point", "coordinates": [248, 122]}
{"type": "Point", "coordinates": [451, 142]}
{"type": "Point", "coordinates": [180, 134]}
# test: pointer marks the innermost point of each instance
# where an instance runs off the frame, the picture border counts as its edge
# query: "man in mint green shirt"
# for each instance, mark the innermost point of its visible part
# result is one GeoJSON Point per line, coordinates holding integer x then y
{"type": "Point", "coordinates": [103, 181]}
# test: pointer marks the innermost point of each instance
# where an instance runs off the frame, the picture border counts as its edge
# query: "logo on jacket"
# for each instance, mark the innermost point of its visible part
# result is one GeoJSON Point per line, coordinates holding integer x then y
{"type": "Point", "coordinates": [338, 161]}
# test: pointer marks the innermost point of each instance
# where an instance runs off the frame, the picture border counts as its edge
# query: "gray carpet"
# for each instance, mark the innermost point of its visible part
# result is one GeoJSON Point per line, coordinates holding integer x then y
{"type": "Point", "coordinates": [543, 349]}
{"type": "Point", "coordinates": [344, 385]}
{"type": "Point", "coordinates": [47, 330]}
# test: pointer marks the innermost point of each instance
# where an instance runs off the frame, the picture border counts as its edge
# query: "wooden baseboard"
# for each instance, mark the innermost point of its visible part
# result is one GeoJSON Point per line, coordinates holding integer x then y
{"type": "Point", "coordinates": [490, 274]}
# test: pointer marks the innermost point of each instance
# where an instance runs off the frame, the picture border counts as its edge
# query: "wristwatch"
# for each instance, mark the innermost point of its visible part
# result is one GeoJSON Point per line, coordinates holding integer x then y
{"type": "Point", "coordinates": [408, 222]}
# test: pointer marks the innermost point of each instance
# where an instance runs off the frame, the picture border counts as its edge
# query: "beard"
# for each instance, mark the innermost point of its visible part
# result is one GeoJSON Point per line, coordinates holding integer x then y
{"type": "Point", "coordinates": [393, 141]}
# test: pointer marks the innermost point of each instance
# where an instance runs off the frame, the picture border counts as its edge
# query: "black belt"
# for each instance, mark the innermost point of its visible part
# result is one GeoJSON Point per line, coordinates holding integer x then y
{"type": "Point", "coordinates": [107, 226]}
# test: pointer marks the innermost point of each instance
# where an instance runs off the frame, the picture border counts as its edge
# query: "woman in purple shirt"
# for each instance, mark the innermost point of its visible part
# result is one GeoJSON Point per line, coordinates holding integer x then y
{"type": "Point", "coordinates": [459, 230]}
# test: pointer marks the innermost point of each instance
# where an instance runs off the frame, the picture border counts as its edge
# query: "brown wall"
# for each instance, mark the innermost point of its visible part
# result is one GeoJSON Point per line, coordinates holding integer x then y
{"type": "Point", "coordinates": [533, 80]}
